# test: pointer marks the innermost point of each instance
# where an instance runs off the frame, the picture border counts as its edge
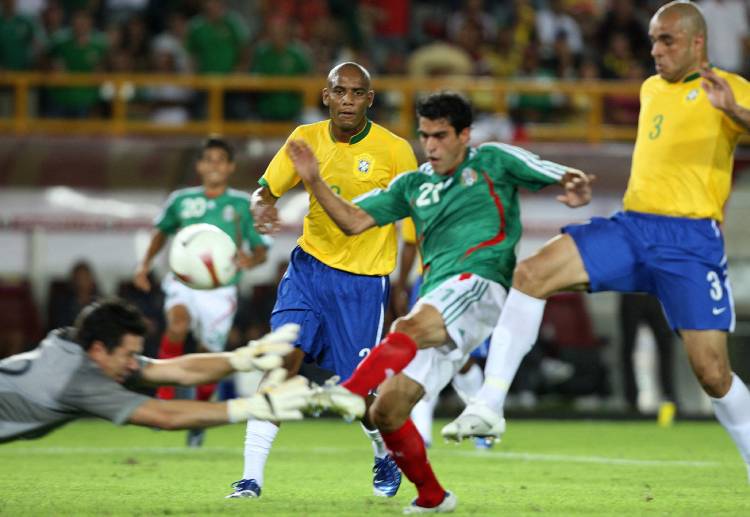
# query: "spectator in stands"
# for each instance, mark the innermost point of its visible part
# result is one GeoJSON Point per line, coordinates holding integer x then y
{"type": "Point", "coordinates": [121, 11]}
{"type": "Point", "coordinates": [473, 12]}
{"type": "Point", "coordinates": [80, 50]}
{"type": "Point", "coordinates": [173, 41]}
{"type": "Point", "coordinates": [555, 22]}
{"type": "Point", "coordinates": [391, 24]}
{"type": "Point", "coordinates": [218, 40]}
{"type": "Point", "coordinates": [622, 19]}
{"type": "Point", "coordinates": [218, 43]}
{"type": "Point", "coordinates": [19, 38]}
{"type": "Point", "coordinates": [52, 20]}
{"type": "Point", "coordinates": [135, 42]}
{"type": "Point", "coordinates": [66, 300]}
{"type": "Point", "coordinates": [169, 103]}
{"type": "Point", "coordinates": [727, 25]}
{"type": "Point", "coordinates": [637, 309]}
{"type": "Point", "coordinates": [534, 107]}
{"type": "Point", "coordinates": [278, 55]}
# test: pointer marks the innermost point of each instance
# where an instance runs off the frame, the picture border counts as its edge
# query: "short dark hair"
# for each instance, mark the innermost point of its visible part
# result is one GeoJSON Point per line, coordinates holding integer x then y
{"type": "Point", "coordinates": [216, 142]}
{"type": "Point", "coordinates": [452, 106]}
{"type": "Point", "coordinates": [107, 320]}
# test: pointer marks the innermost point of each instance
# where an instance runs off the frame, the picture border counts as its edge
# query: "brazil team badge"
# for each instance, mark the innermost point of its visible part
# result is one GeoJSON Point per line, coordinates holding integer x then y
{"type": "Point", "coordinates": [363, 165]}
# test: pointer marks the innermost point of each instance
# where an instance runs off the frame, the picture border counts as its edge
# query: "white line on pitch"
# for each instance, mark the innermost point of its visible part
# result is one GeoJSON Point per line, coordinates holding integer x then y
{"type": "Point", "coordinates": [494, 455]}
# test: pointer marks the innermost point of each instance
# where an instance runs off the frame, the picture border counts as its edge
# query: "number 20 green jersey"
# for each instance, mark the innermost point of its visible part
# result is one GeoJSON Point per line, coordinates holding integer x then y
{"type": "Point", "coordinates": [230, 211]}
{"type": "Point", "coordinates": [467, 221]}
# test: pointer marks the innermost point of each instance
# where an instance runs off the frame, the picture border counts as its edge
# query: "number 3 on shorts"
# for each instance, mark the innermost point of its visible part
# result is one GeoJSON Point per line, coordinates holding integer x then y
{"type": "Point", "coordinates": [716, 290]}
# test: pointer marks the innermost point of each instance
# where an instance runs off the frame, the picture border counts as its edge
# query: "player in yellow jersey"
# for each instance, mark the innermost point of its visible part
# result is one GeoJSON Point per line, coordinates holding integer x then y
{"type": "Point", "coordinates": [336, 287]}
{"type": "Point", "coordinates": [666, 242]}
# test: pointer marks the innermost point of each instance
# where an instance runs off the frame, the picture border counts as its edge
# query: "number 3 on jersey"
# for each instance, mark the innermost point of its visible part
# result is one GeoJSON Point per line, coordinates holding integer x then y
{"type": "Point", "coordinates": [656, 131]}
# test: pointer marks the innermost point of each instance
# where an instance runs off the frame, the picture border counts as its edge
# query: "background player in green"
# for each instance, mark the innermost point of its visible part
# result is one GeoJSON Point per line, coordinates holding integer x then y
{"type": "Point", "coordinates": [464, 203]}
{"type": "Point", "coordinates": [209, 313]}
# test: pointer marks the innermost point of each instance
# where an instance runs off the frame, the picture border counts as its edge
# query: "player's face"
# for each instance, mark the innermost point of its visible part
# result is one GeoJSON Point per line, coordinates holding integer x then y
{"type": "Point", "coordinates": [676, 51]}
{"type": "Point", "coordinates": [214, 167]}
{"type": "Point", "coordinates": [120, 363]}
{"type": "Point", "coordinates": [444, 148]}
{"type": "Point", "coordinates": [348, 96]}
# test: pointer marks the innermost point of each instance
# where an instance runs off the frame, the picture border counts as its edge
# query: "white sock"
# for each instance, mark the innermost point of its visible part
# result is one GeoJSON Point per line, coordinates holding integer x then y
{"type": "Point", "coordinates": [378, 445]}
{"type": "Point", "coordinates": [733, 411]}
{"type": "Point", "coordinates": [259, 437]}
{"type": "Point", "coordinates": [421, 415]}
{"type": "Point", "coordinates": [514, 335]}
{"type": "Point", "coordinates": [468, 384]}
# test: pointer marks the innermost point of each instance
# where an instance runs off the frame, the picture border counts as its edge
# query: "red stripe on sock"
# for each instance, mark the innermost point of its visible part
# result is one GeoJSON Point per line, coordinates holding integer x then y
{"type": "Point", "coordinates": [407, 450]}
{"type": "Point", "coordinates": [385, 360]}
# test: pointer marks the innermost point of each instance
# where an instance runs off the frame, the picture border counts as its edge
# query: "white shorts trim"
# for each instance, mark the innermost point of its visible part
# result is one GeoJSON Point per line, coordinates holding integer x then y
{"type": "Point", "coordinates": [470, 306]}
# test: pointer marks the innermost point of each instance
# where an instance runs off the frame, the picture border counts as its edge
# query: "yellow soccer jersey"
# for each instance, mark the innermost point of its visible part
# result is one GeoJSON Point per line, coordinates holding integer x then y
{"type": "Point", "coordinates": [370, 160]}
{"type": "Point", "coordinates": [682, 162]}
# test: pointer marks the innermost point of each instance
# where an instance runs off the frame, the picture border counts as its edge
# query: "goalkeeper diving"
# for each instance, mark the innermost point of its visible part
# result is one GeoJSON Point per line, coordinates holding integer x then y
{"type": "Point", "coordinates": [91, 369]}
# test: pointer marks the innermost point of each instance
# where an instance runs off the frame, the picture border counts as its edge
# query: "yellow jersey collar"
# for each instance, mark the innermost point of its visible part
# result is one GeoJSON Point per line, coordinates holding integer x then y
{"type": "Point", "coordinates": [356, 138]}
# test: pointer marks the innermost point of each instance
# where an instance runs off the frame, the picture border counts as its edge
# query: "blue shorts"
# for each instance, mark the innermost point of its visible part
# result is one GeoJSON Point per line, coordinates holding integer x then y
{"type": "Point", "coordinates": [681, 261]}
{"type": "Point", "coordinates": [340, 314]}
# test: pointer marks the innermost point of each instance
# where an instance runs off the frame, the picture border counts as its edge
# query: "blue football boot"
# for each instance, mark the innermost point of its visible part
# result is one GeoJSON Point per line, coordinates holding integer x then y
{"type": "Point", "coordinates": [244, 488]}
{"type": "Point", "coordinates": [386, 477]}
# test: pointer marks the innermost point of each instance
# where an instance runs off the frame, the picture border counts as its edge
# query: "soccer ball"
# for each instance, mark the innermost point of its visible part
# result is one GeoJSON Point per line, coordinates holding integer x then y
{"type": "Point", "coordinates": [203, 257]}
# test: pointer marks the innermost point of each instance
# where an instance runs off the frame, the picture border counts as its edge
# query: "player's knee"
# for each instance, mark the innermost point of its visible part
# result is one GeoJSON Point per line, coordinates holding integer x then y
{"type": "Point", "coordinates": [713, 379]}
{"type": "Point", "coordinates": [386, 417]}
{"type": "Point", "coordinates": [527, 278]}
{"type": "Point", "coordinates": [412, 327]}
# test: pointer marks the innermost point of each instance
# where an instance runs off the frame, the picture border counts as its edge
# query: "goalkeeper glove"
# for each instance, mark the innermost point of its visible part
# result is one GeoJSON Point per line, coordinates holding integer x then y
{"type": "Point", "coordinates": [277, 399]}
{"type": "Point", "coordinates": [267, 352]}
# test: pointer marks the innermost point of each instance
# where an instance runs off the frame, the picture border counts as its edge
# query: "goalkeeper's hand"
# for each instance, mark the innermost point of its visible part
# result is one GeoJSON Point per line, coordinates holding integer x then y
{"type": "Point", "coordinates": [267, 352]}
{"type": "Point", "coordinates": [277, 399]}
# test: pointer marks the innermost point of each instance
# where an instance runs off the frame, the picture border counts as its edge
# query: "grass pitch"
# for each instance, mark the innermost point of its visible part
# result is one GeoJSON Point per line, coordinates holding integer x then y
{"type": "Point", "coordinates": [323, 468]}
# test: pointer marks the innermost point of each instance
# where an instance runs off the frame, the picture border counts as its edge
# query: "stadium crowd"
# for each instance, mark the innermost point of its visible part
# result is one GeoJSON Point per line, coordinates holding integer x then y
{"type": "Point", "coordinates": [519, 39]}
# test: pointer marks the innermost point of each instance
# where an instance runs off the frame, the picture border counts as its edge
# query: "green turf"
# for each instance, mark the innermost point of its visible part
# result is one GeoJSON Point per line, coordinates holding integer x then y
{"type": "Point", "coordinates": [323, 468]}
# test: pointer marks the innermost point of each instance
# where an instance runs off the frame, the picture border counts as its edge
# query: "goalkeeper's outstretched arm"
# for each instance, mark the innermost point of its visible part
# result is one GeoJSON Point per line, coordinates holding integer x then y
{"type": "Point", "coordinates": [192, 369]}
{"type": "Point", "coordinates": [277, 401]}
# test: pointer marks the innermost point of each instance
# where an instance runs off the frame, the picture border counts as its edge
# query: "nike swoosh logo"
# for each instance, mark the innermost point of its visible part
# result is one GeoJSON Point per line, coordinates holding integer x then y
{"type": "Point", "coordinates": [716, 310]}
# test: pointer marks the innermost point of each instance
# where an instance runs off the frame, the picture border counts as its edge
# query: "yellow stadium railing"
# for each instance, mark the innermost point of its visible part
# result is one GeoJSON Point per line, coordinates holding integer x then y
{"type": "Point", "coordinates": [586, 125]}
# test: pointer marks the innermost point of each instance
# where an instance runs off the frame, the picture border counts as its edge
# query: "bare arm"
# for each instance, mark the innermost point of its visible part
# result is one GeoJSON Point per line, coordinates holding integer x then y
{"type": "Point", "coordinates": [188, 370]}
{"type": "Point", "coordinates": [351, 219]}
{"type": "Point", "coordinates": [721, 97]}
{"type": "Point", "coordinates": [140, 278]}
{"type": "Point", "coordinates": [180, 414]}
{"type": "Point", "coordinates": [577, 185]}
{"type": "Point", "coordinates": [265, 214]}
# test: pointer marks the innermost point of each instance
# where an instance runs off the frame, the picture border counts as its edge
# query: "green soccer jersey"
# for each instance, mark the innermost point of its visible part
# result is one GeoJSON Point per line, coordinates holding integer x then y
{"type": "Point", "coordinates": [468, 221]}
{"type": "Point", "coordinates": [230, 211]}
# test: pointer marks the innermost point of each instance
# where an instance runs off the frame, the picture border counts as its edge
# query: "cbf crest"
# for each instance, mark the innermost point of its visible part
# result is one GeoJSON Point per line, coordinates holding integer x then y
{"type": "Point", "coordinates": [363, 165]}
{"type": "Point", "coordinates": [469, 177]}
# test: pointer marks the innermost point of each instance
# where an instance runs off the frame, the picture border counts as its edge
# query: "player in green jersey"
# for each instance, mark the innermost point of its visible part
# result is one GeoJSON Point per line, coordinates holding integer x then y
{"type": "Point", "coordinates": [464, 203]}
{"type": "Point", "coordinates": [209, 314]}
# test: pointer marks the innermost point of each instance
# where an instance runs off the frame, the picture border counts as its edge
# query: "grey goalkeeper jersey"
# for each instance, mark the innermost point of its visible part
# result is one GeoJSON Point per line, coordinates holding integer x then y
{"type": "Point", "coordinates": [54, 384]}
